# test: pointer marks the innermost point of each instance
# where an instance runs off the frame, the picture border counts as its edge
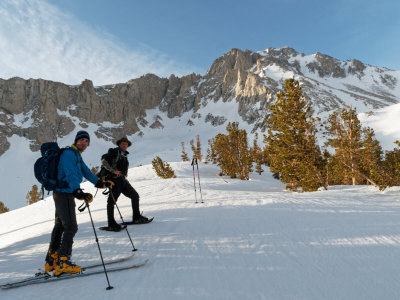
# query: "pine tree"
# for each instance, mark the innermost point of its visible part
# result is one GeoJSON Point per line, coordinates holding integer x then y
{"type": "Point", "coordinates": [332, 170]}
{"type": "Point", "coordinates": [211, 155]}
{"type": "Point", "coordinates": [232, 153]}
{"type": "Point", "coordinates": [3, 208]}
{"type": "Point", "coordinates": [193, 148]}
{"type": "Point", "coordinates": [346, 131]}
{"type": "Point", "coordinates": [358, 155]}
{"type": "Point", "coordinates": [162, 169]}
{"type": "Point", "coordinates": [291, 146]}
{"type": "Point", "coordinates": [326, 172]}
{"type": "Point", "coordinates": [33, 195]}
{"type": "Point", "coordinates": [221, 148]}
{"type": "Point", "coordinates": [257, 155]}
{"type": "Point", "coordinates": [391, 165]}
{"type": "Point", "coordinates": [371, 159]}
{"type": "Point", "coordinates": [184, 155]}
{"type": "Point", "coordinates": [243, 155]}
{"type": "Point", "coordinates": [198, 149]}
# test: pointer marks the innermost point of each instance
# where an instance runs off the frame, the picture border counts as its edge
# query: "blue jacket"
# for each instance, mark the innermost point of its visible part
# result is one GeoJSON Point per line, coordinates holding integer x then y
{"type": "Point", "coordinates": [72, 169]}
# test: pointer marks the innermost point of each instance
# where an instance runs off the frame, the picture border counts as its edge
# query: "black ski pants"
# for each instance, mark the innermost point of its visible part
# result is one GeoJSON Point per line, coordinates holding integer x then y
{"type": "Point", "coordinates": [122, 186]}
{"type": "Point", "coordinates": [65, 225]}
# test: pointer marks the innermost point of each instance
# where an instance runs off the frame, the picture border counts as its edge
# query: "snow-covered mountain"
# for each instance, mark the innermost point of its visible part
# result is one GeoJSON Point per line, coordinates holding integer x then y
{"type": "Point", "coordinates": [249, 240]}
{"type": "Point", "coordinates": [159, 113]}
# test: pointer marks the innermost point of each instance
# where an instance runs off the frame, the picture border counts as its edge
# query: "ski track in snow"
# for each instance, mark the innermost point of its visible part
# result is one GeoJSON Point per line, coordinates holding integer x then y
{"type": "Point", "coordinates": [249, 240]}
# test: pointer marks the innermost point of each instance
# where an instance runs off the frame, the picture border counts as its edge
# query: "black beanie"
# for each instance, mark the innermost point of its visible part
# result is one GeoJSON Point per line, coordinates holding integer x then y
{"type": "Point", "coordinates": [82, 134]}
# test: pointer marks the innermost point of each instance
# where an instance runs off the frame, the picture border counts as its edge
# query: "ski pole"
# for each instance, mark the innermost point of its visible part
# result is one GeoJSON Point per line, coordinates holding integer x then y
{"type": "Point", "coordinates": [98, 245]}
{"type": "Point", "coordinates": [126, 228]}
{"type": "Point", "coordinates": [194, 181]}
{"type": "Point", "coordinates": [198, 174]}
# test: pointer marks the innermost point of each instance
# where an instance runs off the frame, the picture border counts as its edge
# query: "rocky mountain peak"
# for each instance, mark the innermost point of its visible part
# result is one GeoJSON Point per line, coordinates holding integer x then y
{"type": "Point", "coordinates": [235, 59]}
{"type": "Point", "coordinates": [239, 86]}
{"type": "Point", "coordinates": [43, 110]}
{"type": "Point", "coordinates": [326, 65]}
{"type": "Point", "coordinates": [282, 53]}
{"type": "Point", "coordinates": [356, 67]}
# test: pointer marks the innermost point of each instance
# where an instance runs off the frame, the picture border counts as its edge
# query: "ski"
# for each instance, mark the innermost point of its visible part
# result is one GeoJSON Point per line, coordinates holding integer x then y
{"type": "Point", "coordinates": [70, 276]}
{"type": "Point", "coordinates": [41, 274]}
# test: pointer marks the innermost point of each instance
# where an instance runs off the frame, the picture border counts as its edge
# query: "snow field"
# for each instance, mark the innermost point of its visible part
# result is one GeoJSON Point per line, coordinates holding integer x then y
{"type": "Point", "coordinates": [249, 240]}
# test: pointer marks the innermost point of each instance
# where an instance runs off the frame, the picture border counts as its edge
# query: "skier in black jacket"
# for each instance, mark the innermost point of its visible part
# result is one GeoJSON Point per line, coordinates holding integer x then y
{"type": "Point", "coordinates": [115, 166]}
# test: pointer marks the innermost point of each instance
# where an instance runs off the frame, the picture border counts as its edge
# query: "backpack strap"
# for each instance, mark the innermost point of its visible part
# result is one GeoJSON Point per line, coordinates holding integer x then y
{"type": "Point", "coordinates": [111, 165]}
{"type": "Point", "coordinates": [43, 193]}
{"type": "Point", "coordinates": [118, 157]}
{"type": "Point", "coordinates": [73, 150]}
{"type": "Point", "coordinates": [63, 184]}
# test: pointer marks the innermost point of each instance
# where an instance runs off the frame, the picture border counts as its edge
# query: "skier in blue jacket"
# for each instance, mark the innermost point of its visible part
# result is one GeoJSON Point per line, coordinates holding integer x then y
{"type": "Point", "coordinates": [71, 169]}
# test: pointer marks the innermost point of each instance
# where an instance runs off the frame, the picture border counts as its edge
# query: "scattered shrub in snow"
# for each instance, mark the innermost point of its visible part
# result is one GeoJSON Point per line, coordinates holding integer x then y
{"type": "Point", "coordinates": [162, 169]}
{"type": "Point", "coordinates": [3, 208]}
{"type": "Point", "coordinates": [33, 195]}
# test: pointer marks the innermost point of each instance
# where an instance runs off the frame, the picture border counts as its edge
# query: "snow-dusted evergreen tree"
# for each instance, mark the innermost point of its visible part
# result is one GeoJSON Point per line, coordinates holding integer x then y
{"type": "Point", "coordinates": [291, 146]}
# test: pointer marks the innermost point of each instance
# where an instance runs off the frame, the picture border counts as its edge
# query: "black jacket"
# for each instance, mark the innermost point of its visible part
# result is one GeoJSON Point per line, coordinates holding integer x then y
{"type": "Point", "coordinates": [114, 160]}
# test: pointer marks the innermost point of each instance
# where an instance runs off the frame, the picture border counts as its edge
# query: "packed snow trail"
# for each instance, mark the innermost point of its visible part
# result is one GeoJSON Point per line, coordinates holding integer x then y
{"type": "Point", "coordinates": [249, 240]}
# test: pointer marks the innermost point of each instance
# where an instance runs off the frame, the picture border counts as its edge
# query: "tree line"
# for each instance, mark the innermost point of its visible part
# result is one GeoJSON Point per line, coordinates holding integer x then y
{"type": "Point", "coordinates": [292, 152]}
{"type": "Point", "coordinates": [295, 157]}
{"type": "Point", "coordinates": [351, 155]}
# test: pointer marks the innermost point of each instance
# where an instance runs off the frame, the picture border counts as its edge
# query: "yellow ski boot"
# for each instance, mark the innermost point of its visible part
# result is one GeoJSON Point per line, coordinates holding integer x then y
{"type": "Point", "coordinates": [51, 261]}
{"type": "Point", "coordinates": [65, 265]}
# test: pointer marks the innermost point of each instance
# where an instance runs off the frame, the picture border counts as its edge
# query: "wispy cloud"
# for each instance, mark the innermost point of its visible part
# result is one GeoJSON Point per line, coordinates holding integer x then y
{"type": "Point", "coordinates": [37, 40]}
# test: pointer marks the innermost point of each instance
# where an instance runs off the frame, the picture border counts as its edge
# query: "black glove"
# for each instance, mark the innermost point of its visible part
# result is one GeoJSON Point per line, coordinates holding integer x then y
{"type": "Point", "coordinates": [79, 194]}
{"type": "Point", "coordinates": [103, 183]}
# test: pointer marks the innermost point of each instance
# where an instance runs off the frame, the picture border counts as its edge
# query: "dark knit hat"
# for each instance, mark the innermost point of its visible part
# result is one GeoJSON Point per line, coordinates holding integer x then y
{"type": "Point", "coordinates": [81, 135]}
{"type": "Point", "coordinates": [124, 139]}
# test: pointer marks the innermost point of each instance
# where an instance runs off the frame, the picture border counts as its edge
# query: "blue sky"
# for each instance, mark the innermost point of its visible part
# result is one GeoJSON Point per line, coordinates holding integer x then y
{"type": "Point", "coordinates": [114, 41]}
